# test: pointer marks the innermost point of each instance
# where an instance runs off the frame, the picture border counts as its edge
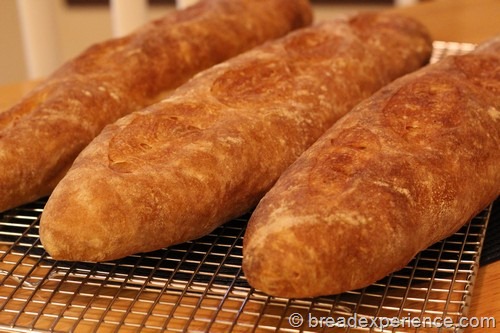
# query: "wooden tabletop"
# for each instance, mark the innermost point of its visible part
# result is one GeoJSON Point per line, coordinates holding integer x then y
{"type": "Point", "coordinates": [448, 20]}
{"type": "Point", "coordinates": [469, 21]}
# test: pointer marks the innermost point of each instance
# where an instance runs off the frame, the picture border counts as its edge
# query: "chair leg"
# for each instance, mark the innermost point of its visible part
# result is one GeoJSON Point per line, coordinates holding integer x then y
{"type": "Point", "coordinates": [127, 15]}
{"type": "Point", "coordinates": [181, 4]}
{"type": "Point", "coordinates": [40, 36]}
{"type": "Point", "coordinates": [405, 2]}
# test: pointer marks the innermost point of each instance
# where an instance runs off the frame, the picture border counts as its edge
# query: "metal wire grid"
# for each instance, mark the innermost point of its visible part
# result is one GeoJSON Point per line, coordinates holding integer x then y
{"type": "Point", "coordinates": [198, 286]}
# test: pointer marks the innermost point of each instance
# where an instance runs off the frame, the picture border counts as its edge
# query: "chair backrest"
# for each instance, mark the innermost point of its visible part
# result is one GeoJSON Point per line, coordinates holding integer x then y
{"type": "Point", "coordinates": [37, 18]}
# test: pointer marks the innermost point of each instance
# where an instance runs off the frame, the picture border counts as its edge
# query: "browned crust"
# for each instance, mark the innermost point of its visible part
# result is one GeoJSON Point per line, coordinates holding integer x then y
{"type": "Point", "coordinates": [209, 152]}
{"type": "Point", "coordinates": [406, 168]}
{"type": "Point", "coordinates": [43, 133]}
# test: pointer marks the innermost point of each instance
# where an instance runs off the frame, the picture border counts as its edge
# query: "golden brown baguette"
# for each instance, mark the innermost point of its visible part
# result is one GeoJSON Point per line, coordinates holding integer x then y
{"type": "Point", "coordinates": [44, 132]}
{"type": "Point", "coordinates": [208, 153]}
{"type": "Point", "coordinates": [406, 168]}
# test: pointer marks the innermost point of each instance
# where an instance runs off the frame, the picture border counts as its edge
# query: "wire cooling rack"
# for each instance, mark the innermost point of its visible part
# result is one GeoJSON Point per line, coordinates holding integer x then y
{"type": "Point", "coordinates": [199, 286]}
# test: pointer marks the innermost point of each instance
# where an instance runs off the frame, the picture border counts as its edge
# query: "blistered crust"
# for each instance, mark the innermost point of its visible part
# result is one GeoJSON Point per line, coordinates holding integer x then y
{"type": "Point", "coordinates": [207, 153]}
{"type": "Point", "coordinates": [42, 135]}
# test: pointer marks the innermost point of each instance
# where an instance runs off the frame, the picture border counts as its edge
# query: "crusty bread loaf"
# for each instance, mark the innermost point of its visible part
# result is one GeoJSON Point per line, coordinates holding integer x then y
{"type": "Point", "coordinates": [406, 168]}
{"type": "Point", "coordinates": [44, 132]}
{"type": "Point", "coordinates": [179, 168]}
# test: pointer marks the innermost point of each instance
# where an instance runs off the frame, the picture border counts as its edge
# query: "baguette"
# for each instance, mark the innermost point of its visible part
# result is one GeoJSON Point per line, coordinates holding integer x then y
{"type": "Point", "coordinates": [41, 135]}
{"type": "Point", "coordinates": [180, 168]}
{"type": "Point", "coordinates": [406, 168]}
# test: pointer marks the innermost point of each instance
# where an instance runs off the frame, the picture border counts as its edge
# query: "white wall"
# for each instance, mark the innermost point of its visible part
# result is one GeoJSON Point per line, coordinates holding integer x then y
{"type": "Point", "coordinates": [11, 57]}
